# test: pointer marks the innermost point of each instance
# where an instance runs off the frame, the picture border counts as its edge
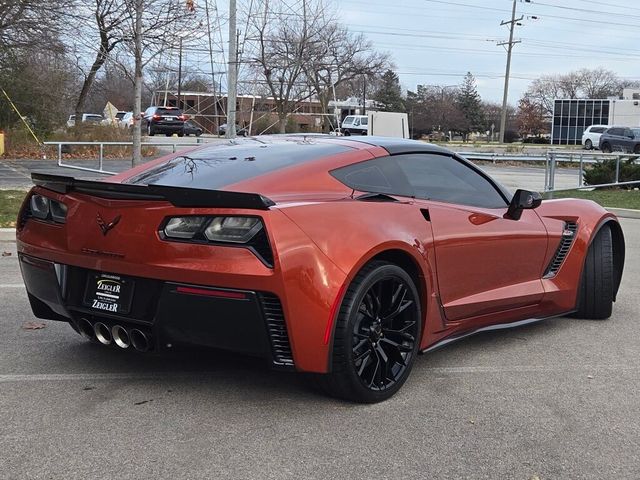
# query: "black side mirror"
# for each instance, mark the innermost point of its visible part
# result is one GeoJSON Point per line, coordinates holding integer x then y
{"type": "Point", "coordinates": [523, 200]}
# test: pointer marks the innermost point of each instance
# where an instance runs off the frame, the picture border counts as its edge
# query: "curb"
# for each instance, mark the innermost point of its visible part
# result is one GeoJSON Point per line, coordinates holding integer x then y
{"type": "Point", "coordinates": [625, 212]}
{"type": "Point", "coordinates": [7, 234]}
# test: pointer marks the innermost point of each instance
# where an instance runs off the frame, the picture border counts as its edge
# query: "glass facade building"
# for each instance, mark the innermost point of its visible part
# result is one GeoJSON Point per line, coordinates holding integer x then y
{"type": "Point", "coordinates": [571, 117]}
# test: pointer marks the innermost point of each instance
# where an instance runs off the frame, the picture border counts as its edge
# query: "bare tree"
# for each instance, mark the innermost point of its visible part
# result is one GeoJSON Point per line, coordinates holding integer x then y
{"type": "Point", "coordinates": [109, 16]}
{"type": "Point", "coordinates": [284, 43]}
{"type": "Point", "coordinates": [150, 27]}
{"type": "Point", "coordinates": [28, 23]}
{"type": "Point", "coordinates": [337, 58]}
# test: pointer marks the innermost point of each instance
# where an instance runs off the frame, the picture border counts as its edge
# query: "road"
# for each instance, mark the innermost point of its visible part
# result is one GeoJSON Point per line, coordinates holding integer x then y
{"type": "Point", "coordinates": [555, 400]}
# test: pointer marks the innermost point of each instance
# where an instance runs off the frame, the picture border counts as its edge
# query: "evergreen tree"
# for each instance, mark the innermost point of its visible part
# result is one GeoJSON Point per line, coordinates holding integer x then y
{"type": "Point", "coordinates": [389, 93]}
{"type": "Point", "coordinates": [470, 104]}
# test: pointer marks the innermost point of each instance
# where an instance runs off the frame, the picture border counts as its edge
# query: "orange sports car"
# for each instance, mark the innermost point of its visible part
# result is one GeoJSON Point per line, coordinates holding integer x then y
{"type": "Point", "coordinates": [339, 256]}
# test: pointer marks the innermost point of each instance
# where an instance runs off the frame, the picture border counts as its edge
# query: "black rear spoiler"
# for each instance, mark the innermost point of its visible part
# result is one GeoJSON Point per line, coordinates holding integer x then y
{"type": "Point", "coordinates": [177, 196]}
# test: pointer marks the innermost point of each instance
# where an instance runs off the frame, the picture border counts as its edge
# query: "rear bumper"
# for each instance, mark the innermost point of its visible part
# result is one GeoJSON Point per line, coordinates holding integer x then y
{"type": "Point", "coordinates": [243, 321]}
{"type": "Point", "coordinates": [166, 128]}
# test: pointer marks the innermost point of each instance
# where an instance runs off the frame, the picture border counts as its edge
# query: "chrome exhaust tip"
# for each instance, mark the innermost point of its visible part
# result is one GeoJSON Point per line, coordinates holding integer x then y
{"type": "Point", "coordinates": [103, 334]}
{"type": "Point", "coordinates": [120, 336]}
{"type": "Point", "coordinates": [85, 329]}
{"type": "Point", "coordinates": [139, 340]}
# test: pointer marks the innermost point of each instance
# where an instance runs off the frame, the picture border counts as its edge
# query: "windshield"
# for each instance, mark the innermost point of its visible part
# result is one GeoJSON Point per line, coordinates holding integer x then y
{"type": "Point", "coordinates": [636, 132]}
{"type": "Point", "coordinates": [348, 120]}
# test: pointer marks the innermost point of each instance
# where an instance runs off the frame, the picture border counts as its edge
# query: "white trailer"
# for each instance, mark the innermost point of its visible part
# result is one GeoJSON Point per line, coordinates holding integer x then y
{"type": "Point", "coordinates": [388, 124]}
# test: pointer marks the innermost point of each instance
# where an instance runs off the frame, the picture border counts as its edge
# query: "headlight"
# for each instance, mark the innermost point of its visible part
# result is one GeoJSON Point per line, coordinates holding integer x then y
{"type": "Point", "coordinates": [232, 229]}
{"type": "Point", "coordinates": [184, 227]}
{"type": "Point", "coordinates": [44, 208]}
{"type": "Point", "coordinates": [213, 229]}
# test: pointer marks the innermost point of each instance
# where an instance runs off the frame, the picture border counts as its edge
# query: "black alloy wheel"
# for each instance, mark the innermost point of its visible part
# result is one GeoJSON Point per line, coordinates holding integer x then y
{"type": "Point", "coordinates": [588, 145]}
{"type": "Point", "coordinates": [606, 148]}
{"type": "Point", "coordinates": [377, 334]}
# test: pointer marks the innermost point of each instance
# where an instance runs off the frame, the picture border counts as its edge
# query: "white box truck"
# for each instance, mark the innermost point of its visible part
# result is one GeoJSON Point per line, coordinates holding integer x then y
{"type": "Point", "coordinates": [382, 124]}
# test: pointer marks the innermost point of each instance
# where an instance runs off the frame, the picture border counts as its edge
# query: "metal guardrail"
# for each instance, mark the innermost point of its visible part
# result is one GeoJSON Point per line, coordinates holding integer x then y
{"type": "Point", "coordinates": [101, 145]}
{"type": "Point", "coordinates": [550, 159]}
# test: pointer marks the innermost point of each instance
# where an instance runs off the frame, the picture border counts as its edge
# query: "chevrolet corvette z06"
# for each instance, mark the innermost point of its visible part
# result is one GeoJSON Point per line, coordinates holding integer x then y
{"type": "Point", "coordinates": [343, 257]}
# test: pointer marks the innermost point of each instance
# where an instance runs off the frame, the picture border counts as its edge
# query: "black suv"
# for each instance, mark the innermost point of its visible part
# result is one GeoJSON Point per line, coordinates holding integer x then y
{"type": "Point", "coordinates": [623, 139]}
{"type": "Point", "coordinates": [167, 120]}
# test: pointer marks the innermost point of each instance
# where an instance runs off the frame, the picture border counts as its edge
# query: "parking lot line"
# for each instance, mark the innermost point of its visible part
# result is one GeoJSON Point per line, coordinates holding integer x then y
{"type": "Point", "coordinates": [11, 285]}
{"type": "Point", "coordinates": [84, 377]}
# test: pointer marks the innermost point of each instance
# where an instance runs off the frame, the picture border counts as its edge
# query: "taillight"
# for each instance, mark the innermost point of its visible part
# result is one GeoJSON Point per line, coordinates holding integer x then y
{"type": "Point", "coordinates": [47, 209]}
{"type": "Point", "coordinates": [182, 117]}
{"type": "Point", "coordinates": [156, 117]}
{"type": "Point", "coordinates": [213, 229]}
{"type": "Point", "coordinates": [239, 231]}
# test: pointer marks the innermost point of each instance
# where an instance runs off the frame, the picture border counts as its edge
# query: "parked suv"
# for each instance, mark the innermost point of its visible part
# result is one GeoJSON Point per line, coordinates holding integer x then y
{"type": "Point", "coordinates": [591, 136]}
{"type": "Point", "coordinates": [86, 117]}
{"type": "Point", "coordinates": [623, 139]}
{"type": "Point", "coordinates": [167, 120]}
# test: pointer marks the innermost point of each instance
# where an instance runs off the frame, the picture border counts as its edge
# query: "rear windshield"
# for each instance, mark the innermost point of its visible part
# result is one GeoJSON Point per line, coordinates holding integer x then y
{"type": "Point", "coordinates": [119, 115]}
{"type": "Point", "coordinates": [216, 167]}
{"type": "Point", "coordinates": [169, 111]}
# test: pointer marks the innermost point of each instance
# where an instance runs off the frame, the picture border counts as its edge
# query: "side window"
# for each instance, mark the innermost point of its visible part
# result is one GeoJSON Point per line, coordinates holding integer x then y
{"type": "Point", "coordinates": [365, 121]}
{"type": "Point", "coordinates": [380, 175]}
{"type": "Point", "coordinates": [615, 131]}
{"type": "Point", "coordinates": [446, 179]}
{"type": "Point", "coordinates": [597, 130]}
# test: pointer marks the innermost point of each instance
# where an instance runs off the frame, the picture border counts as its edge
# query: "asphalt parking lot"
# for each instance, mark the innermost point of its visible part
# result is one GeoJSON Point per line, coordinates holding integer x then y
{"type": "Point", "coordinates": [555, 400]}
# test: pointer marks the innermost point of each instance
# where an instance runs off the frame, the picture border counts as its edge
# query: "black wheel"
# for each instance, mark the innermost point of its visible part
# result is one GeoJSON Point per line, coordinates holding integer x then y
{"type": "Point", "coordinates": [636, 149]}
{"type": "Point", "coordinates": [150, 131]}
{"type": "Point", "coordinates": [198, 133]}
{"type": "Point", "coordinates": [180, 134]}
{"type": "Point", "coordinates": [377, 334]}
{"type": "Point", "coordinates": [347, 133]}
{"type": "Point", "coordinates": [606, 148]}
{"type": "Point", "coordinates": [168, 135]}
{"type": "Point", "coordinates": [595, 297]}
{"type": "Point", "coordinates": [588, 144]}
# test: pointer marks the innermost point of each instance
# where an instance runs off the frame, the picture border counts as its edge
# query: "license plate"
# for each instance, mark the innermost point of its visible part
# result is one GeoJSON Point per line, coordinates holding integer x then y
{"type": "Point", "coordinates": [109, 293]}
{"type": "Point", "coordinates": [169, 118]}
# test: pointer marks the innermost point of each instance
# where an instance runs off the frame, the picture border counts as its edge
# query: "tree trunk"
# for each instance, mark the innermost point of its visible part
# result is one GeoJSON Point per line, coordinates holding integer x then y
{"type": "Point", "coordinates": [86, 86]}
{"type": "Point", "coordinates": [137, 88]}
{"type": "Point", "coordinates": [282, 123]}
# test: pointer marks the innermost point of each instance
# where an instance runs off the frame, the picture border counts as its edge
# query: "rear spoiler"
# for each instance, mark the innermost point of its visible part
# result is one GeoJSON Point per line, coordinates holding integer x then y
{"type": "Point", "coordinates": [177, 196]}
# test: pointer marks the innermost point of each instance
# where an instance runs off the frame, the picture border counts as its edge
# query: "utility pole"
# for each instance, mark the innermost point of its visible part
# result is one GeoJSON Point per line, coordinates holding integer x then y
{"type": "Point", "coordinates": [232, 76]}
{"type": "Point", "coordinates": [512, 23]}
{"type": "Point", "coordinates": [179, 74]}
{"type": "Point", "coordinates": [364, 95]}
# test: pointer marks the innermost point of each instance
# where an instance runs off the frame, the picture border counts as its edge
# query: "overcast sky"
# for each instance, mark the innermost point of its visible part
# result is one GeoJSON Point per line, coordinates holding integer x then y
{"type": "Point", "coordinates": [438, 41]}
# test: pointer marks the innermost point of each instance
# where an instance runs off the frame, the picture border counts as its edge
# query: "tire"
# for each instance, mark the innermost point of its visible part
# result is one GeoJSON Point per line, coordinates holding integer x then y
{"type": "Point", "coordinates": [588, 144]}
{"type": "Point", "coordinates": [595, 297]}
{"type": "Point", "coordinates": [636, 149]}
{"type": "Point", "coordinates": [181, 134]}
{"type": "Point", "coordinates": [198, 133]}
{"type": "Point", "coordinates": [367, 331]}
{"type": "Point", "coordinates": [606, 148]}
{"type": "Point", "coordinates": [347, 133]}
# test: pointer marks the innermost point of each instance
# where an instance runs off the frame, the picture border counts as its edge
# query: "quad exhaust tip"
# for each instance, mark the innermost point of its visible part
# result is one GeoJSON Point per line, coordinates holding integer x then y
{"type": "Point", "coordinates": [103, 333]}
{"type": "Point", "coordinates": [139, 340]}
{"type": "Point", "coordinates": [120, 336]}
{"type": "Point", "coordinates": [85, 328]}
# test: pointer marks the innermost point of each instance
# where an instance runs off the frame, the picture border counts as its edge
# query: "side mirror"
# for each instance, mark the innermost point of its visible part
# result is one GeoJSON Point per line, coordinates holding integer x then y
{"type": "Point", "coordinates": [523, 200]}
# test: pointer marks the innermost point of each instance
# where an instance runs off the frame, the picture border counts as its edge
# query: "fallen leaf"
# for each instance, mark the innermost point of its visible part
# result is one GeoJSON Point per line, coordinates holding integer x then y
{"type": "Point", "coordinates": [143, 402]}
{"type": "Point", "coordinates": [6, 254]}
{"type": "Point", "coordinates": [590, 377]}
{"type": "Point", "coordinates": [33, 325]}
{"type": "Point", "coordinates": [472, 422]}
{"type": "Point", "coordinates": [89, 388]}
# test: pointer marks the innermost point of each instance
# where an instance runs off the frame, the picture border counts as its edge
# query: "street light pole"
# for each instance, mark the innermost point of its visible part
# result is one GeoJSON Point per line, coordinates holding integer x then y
{"type": "Point", "coordinates": [232, 76]}
{"type": "Point", "coordinates": [510, 43]}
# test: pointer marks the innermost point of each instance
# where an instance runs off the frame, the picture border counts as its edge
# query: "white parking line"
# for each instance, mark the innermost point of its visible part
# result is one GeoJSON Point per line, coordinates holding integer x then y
{"type": "Point", "coordinates": [11, 285]}
{"type": "Point", "coordinates": [87, 377]}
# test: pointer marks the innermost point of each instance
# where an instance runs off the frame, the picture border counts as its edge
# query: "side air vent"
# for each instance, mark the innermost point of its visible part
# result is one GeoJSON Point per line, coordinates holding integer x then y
{"type": "Point", "coordinates": [568, 235]}
{"type": "Point", "coordinates": [277, 329]}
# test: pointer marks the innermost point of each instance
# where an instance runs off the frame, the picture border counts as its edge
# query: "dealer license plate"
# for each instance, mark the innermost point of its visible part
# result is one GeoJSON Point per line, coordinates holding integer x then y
{"type": "Point", "coordinates": [109, 293]}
